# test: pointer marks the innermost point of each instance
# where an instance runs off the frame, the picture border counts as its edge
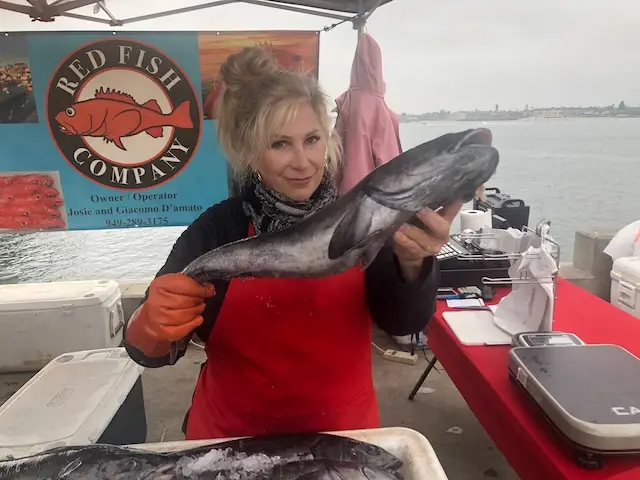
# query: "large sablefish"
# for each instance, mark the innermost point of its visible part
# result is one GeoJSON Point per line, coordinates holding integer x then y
{"type": "Point", "coordinates": [353, 228]}
{"type": "Point", "coordinates": [285, 457]}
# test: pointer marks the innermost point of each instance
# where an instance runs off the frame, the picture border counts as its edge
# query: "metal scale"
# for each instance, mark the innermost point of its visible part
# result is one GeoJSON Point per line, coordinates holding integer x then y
{"type": "Point", "coordinates": [590, 394]}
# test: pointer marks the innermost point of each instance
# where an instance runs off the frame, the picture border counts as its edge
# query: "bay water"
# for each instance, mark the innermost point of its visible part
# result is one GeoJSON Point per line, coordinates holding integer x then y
{"type": "Point", "coordinates": [576, 172]}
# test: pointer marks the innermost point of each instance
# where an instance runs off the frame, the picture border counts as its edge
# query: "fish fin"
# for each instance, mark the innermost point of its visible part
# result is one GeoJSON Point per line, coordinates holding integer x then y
{"type": "Point", "coordinates": [372, 251]}
{"type": "Point", "coordinates": [109, 94]}
{"type": "Point", "coordinates": [152, 105]}
{"type": "Point", "coordinates": [118, 143]}
{"type": "Point", "coordinates": [155, 132]}
{"type": "Point", "coordinates": [124, 123]}
{"type": "Point", "coordinates": [354, 233]}
{"type": "Point", "coordinates": [345, 235]}
{"type": "Point", "coordinates": [181, 116]}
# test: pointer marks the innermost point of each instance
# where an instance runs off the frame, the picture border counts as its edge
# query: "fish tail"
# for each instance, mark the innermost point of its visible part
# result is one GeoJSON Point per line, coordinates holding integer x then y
{"type": "Point", "coordinates": [181, 116]}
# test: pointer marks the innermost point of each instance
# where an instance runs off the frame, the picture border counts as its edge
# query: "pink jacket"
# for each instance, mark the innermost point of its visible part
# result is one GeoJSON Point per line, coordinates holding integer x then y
{"type": "Point", "coordinates": [368, 128]}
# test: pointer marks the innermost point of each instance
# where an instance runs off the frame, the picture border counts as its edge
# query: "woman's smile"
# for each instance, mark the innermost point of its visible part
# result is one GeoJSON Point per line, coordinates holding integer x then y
{"type": "Point", "coordinates": [300, 182]}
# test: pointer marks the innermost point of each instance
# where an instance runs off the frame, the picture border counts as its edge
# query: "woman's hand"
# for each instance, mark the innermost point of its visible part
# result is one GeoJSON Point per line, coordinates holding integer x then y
{"type": "Point", "coordinates": [412, 244]}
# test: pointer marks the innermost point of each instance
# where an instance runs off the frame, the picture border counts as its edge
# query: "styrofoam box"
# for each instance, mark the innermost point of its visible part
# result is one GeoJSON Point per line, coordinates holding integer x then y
{"type": "Point", "coordinates": [71, 401]}
{"type": "Point", "coordinates": [419, 458]}
{"type": "Point", "coordinates": [625, 285]}
{"type": "Point", "coordinates": [39, 321]}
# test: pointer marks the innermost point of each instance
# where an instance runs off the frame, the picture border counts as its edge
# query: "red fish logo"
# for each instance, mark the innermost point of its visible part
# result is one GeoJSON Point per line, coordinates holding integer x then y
{"type": "Point", "coordinates": [114, 115]}
{"type": "Point", "coordinates": [123, 114]}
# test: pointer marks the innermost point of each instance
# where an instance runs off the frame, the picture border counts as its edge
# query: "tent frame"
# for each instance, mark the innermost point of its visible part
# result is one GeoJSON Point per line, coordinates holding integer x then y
{"type": "Point", "coordinates": [48, 10]}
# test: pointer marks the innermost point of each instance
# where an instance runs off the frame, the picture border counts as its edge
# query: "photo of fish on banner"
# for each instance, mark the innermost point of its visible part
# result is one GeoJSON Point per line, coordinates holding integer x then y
{"type": "Point", "coordinates": [31, 201]}
{"type": "Point", "coordinates": [292, 50]}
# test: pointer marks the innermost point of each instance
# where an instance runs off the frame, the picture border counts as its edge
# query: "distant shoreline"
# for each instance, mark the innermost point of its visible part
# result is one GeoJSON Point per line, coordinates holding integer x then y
{"type": "Point", "coordinates": [511, 119]}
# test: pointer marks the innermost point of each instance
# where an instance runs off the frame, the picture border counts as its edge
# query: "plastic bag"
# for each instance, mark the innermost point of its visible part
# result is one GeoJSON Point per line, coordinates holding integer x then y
{"type": "Point", "coordinates": [625, 243]}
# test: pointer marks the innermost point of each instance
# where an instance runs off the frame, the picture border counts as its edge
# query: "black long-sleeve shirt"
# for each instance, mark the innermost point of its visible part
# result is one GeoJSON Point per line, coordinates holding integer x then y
{"type": "Point", "coordinates": [397, 307]}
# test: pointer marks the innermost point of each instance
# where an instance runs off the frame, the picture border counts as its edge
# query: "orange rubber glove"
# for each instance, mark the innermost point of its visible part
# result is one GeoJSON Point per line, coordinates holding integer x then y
{"type": "Point", "coordinates": [172, 310]}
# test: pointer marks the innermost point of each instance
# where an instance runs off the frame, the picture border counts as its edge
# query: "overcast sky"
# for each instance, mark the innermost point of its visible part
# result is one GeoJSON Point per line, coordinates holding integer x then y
{"type": "Point", "coordinates": [446, 54]}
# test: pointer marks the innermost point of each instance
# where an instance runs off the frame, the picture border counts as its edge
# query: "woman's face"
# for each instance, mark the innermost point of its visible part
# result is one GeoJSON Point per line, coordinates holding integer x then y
{"type": "Point", "coordinates": [295, 162]}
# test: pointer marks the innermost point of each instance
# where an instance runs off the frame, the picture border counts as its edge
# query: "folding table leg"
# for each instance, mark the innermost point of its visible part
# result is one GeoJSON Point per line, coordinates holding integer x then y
{"type": "Point", "coordinates": [423, 377]}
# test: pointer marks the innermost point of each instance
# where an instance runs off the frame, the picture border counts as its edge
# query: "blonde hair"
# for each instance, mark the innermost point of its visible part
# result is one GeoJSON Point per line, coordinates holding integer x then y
{"type": "Point", "coordinates": [258, 98]}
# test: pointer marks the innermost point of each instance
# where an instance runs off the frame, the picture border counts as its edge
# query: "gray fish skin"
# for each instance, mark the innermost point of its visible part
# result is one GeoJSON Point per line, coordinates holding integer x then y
{"type": "Point", "coordinates": [314, 446]}
{"type": "Point", "coordinates": [356, 226]}
{"type": "Point", "coordinates": [100, 462]}
{"type": "Point", "coordinates": [325, 470]}
{"type": "Point", "coordinates": [249, 458]}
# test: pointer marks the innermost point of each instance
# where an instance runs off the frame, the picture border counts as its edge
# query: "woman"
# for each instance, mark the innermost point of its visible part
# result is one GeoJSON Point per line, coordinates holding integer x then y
{"type": "Point", "coordinates": [283, 355]}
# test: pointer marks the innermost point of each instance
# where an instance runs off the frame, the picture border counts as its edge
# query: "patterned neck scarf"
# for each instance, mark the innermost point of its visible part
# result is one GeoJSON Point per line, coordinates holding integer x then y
{"type": "Point", "coordinates": [271, 211]}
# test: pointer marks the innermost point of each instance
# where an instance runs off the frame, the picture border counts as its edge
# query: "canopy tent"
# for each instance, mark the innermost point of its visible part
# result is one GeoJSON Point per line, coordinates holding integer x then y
{"type": "Point", "coordinates": [48, 10]}
{"type": "Point", "coordinates": [356, 12]}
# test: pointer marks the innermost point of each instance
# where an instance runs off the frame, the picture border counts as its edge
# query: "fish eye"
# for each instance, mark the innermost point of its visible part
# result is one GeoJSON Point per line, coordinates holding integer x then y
{"type": "Point", "coordinates": [371, 450]}
{"type": "Point", "coordinates": [130, 465]}
{"type": "Point", "coordinates": [70, 111]}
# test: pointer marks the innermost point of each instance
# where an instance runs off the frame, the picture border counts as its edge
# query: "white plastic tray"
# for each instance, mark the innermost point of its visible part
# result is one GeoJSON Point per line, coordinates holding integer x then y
{"type": "Point", "coordinates": [419, 458]}
{"type": "Point", "coordinates": [71, 401]}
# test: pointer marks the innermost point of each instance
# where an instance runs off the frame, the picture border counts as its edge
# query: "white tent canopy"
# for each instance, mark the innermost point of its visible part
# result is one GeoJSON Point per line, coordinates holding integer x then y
{"type": "Point", "coordinates": [356, 11]}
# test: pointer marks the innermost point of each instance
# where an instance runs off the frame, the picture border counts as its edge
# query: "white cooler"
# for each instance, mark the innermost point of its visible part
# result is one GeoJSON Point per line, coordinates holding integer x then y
{"type": "Point", "coordinates": [39, 321]}
{"type": "Point", "coordinates": [79, 398]}
{"type": "Point", "coordinates": [625, 285]}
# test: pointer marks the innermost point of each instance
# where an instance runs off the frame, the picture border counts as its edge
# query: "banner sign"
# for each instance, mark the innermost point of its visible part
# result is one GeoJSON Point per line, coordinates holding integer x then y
{"type": "Point", "coordinates": [101, 130]}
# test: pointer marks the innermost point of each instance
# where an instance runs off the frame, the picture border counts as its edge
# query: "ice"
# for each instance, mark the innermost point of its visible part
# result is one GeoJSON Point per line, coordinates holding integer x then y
{"type": "Point", "coordinates": [235, 465]}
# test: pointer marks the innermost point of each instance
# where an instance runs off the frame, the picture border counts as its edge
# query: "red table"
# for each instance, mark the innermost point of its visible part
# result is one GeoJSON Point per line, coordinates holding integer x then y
{"type": "Point", "coordinates": [518, 429]}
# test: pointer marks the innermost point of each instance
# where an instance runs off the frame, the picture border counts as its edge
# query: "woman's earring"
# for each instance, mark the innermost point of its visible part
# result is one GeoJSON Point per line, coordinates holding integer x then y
{"type": "Point", "coordinates": [259, 176]}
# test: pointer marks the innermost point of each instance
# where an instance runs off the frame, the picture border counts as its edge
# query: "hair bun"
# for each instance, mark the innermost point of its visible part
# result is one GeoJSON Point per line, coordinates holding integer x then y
{"type": "Point", "coordinates": [247, 66]}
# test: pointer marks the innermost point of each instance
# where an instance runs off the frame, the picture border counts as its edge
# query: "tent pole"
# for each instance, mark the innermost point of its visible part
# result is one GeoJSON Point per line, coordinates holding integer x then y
{"type": "Point", "coordinates": [358, 24]}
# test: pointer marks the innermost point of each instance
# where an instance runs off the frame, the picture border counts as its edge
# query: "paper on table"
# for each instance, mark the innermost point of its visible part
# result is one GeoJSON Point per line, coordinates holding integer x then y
{"type": "Point", "coordinates": [475, 327]}
{"type": "Point", "coordinates": [529, 306]}
{"type": "Point", "coordinates": [508, 241]}
{"type": "Point", "coordinates": [464, 302]}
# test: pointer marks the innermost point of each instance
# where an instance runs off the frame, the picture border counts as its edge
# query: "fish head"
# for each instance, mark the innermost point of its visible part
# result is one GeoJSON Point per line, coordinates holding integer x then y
{"type": "Point", "coordinates": [475, 160]}
{"type": "Point", "coordinates": [47, 191]}
{"type": "Point", "coordinates": [53, 201]}
{"type": "Point", "coordinates": [75, 119]}
{"type": "Point", "coordinates": [36, 179]}
{"type": "Point", "coordinates": [346, 449]}
{"type": "Point", "coordinates": [433, 174]}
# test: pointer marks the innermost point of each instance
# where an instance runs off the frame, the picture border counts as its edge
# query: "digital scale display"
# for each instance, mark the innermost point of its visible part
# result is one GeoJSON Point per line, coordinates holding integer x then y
{"type": "Point", "coordinates": [542, 339]}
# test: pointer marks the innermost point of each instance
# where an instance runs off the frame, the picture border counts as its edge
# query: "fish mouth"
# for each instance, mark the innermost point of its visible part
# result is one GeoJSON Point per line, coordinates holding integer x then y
{"type": "Point", "coordinates": [64, 126]}
{"type": "Point", "coordinates": [477, 136]}
{"type": "Point", "coordinates": [68, 130]}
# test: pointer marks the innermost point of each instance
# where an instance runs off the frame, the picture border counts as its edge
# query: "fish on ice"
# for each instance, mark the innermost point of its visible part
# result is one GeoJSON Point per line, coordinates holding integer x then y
{"type": "Point", "coordinates": [352, 229]}
{"type": "Point", "coordinates": [114, 115]}
{"type": "Point", "coordinates": [269, 457]}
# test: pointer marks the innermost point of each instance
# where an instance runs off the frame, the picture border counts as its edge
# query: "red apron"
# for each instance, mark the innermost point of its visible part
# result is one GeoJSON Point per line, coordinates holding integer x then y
{"type": "Point", "coordinates": [287, 356]}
